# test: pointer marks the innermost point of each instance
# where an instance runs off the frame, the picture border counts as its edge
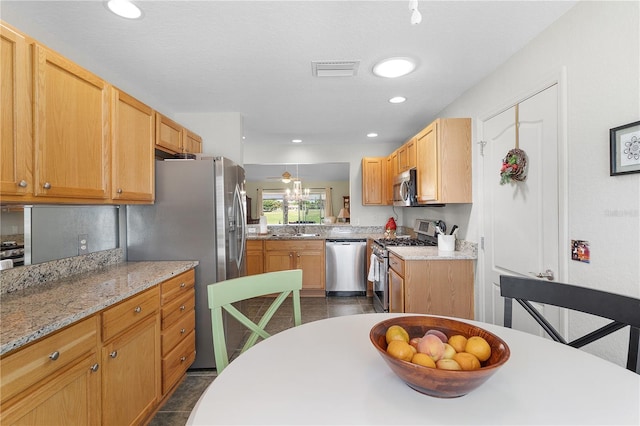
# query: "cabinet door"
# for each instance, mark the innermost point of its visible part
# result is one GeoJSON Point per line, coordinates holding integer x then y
{"type": "Point", "coordinates": [402, 159]}
{"type": "Point", "coordinates": [427, 158]}
{"type": "Point", "coordinates": [192, 143]}
{"type": "Point", "coordinates": [313, 269]}
{"type": "Point", "coordinates": [168, 134]}
{"type": "Point", "coordinates": [278, 260]}
{"type": "Point", "coordinates": [72, 397]}
{"type": "Point", "coordinates": [15, 132]}
{"type": "Point", "coordinates": [388, 183]}
{"type": "Point", "coordinates": [255, 257]}
{"type": "Point", "coordinates": [396, 292]}
{"type": "Point", "coordinates": [133, 145]}
{"type": "Point", "coordinates": [71, 129]}
{"type": "Point", "coordinates": [372, 181]}
{"type": "Point", "coordinates": [411, 153]}
{"type": "Point", "coordinates": [131, 374]}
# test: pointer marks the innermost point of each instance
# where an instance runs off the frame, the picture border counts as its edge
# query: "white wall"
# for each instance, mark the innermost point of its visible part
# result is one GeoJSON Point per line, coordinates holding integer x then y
{"type": "Point", "coordinates": [221, 132]}
{"type": "Point", "coordinates": [598, 44]}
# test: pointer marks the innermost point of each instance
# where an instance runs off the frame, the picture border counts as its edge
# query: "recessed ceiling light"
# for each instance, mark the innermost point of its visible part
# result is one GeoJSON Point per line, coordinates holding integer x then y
{"type": "Point", "coordinates": [397, 99]}
{"type": "Point", "coordinates": [372, 135]}
{"type": "Point", "coordinates": [124, 8]}
{"type": "Point", "coordinates": [296, 140]}
{"type": "Point", "coordinates": [394, 67]}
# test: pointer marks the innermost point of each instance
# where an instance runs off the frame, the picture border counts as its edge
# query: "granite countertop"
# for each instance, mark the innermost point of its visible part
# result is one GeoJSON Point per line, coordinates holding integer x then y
{"type": "Point", "coordinates": [34, 312]}
{"type": "Point", "coordinates": [432, 253]}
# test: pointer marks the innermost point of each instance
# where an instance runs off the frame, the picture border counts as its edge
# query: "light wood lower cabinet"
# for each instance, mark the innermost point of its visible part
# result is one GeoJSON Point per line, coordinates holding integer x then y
{"type": "Point", "coordinates": [54, 381]}
{"type": "Point", "coordinates": [113, 368]}
{"type": "Point", "coordinates": [178, 344]}
{"type": "Point", "coordinates": [307, 255]}
{"type": "Point", "coordinates": [437, 287]}
{"type": "Point", "coordinates": [255, 257]}
{"type": "Point", "coordinates": [131, 359]}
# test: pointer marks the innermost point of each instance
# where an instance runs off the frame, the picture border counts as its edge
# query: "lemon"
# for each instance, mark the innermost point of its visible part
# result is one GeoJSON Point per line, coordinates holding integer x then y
{"type": "Point", "coordinates": [467, 361]}
{"type": "Point", "coordinates": [396, 332]}
{"type": "Point", "coordinates": [401, 350]}
{"type": "Point", "coordinates": [479, 347]}
{"type": "Point", "coordinates": [424, 360]}
{"type": "Point", "coordinates": [458, 342]}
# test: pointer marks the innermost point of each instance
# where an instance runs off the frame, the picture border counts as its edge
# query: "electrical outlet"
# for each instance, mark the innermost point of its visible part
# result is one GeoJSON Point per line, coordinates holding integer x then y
{"type": "Point", "coordinates": [83, 244]}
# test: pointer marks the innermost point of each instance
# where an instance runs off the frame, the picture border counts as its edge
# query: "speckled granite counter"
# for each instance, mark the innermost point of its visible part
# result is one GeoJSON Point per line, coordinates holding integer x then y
{"type": "Point", "coordinates": [432, 253]}
{"type": "Point", "coordinates": [31, 313]}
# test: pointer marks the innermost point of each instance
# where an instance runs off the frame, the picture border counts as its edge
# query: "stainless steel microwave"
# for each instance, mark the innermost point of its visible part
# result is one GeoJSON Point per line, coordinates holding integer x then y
{"type": "Point", "coordinates": [405, 189]}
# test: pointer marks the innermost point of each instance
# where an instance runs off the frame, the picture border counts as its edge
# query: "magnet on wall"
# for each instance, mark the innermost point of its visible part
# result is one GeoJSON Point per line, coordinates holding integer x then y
{"type": "Point", "coordinates": [580, 250]}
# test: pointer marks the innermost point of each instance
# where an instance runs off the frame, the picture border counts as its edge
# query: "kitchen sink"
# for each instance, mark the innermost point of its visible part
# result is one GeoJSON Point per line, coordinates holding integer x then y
{"type": "Point", "coordinates": [299, 235]}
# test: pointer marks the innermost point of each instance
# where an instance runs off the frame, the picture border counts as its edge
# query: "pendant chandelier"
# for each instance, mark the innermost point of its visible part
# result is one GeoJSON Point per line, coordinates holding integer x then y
{"type": "Point", "coordinates": [298, 193]}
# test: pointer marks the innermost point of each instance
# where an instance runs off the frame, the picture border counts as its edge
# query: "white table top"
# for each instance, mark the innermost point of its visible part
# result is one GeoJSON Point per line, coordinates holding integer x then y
{"type": "Point", "coordinates": [328, 372]}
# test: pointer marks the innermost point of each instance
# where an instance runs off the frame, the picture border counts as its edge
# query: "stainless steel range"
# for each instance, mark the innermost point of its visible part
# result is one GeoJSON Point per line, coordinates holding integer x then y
{"type": "Point", "coordinates": [10, 250]}
{"type": "Point", "coordinates": [426, 235]}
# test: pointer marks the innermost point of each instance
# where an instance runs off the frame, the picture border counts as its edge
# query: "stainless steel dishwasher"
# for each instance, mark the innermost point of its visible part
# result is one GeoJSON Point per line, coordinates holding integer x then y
{"type": "Point", "coordinates": [346, 266]}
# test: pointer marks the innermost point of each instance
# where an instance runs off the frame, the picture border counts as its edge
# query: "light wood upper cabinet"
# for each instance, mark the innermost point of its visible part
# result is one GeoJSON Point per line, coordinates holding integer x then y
{"type": "Point", "coordinates": [407, 155]}
{"type": "Point", "coordinates": [443, 151]}
{"type": "Point", "coordinates": [132, 161]}
{"type": "Point", "coordinates": [192, 143]}
{"type": "Point", "coordinates": [169, 134]}
{"type": "Point", "coordinates": [71, 129]}
{"type": "Point", "coordinates": [373, 181]}
{"type": "Point", "coordinates": [16, 155]}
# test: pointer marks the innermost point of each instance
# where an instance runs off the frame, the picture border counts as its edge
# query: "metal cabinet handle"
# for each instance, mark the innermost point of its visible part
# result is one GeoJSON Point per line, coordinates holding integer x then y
{"type": "Point", "coordinates": [182, 308]}
{"type": "Point", "coordinates": [137, 309]}
{"type": "Point", "coordinates": [46, 185]}
{"type": "Point", "coordinates": [182, 331]}
{"type": "Point", "coordinates": [113, 354]}
{"type": "Point", "coordinates": [54, 356]}
{"type": "Point", "coordinates": [183, 359]}
{"type": "Point", "coordinates": [183, 285]}
{"type": "Point", "coordinates": [119, 191]}
{"type": "Point", "coordinates": [22, 184]}
{"type": "Point", "coordinates": [95, 367]}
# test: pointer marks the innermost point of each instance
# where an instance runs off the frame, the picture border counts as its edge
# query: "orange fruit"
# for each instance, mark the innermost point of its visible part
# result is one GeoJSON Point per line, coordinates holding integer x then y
{"type": "Point", "coordinates": [401, 350]}
{"type": "Point", "coordinates": [479, 347]}
{"type": "Point", "coordinates": [458, 342]}
{"type": "Point", "coordinates": [396, 332]}
{"type": "Point", "coordinates": [467, 361]}
{"type": "Point", "coordinates": [424, 360]}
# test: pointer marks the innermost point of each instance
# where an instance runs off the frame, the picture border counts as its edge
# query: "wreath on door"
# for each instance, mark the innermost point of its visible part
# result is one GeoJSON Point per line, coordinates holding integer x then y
{"type": "Point", "coordinates": [514, 164]}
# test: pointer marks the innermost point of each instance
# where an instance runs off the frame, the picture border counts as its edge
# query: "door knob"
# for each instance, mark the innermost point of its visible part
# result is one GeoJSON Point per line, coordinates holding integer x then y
{"type": "Point", "coordinates": [46, 185]}
{"type": "Point", "coordinates": [22, 184]}
{"type": "Point", "coordinates": [548, 274]}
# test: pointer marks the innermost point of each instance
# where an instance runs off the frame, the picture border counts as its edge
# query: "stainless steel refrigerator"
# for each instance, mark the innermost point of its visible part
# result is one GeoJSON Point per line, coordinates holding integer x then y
{"type": "Point", "coordinates": [198, 214]}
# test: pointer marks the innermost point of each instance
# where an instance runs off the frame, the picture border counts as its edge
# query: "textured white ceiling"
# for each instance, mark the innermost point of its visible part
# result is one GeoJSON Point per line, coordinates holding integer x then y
{"type": "Point", "coordinates": [254, 57]}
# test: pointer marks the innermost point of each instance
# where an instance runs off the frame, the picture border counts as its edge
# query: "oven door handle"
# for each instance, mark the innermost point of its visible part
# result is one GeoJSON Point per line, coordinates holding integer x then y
{"type": "Point", "coordinates": [404, 190]}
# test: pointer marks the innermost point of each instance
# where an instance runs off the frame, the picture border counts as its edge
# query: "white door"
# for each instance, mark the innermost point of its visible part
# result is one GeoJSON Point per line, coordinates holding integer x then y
{"type": "Point", "coordinates": [521, 219]}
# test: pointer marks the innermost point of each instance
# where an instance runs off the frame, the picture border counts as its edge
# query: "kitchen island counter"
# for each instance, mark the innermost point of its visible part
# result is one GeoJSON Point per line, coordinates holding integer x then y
{"type": "Point", "coordinates": [466, 251]}
{"type": "Point", "coordinates": [34, 312]}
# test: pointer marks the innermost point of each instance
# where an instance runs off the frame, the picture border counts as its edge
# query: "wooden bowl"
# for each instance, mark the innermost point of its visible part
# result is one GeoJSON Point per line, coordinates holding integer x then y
{"type": "Point", "coordinates": [432, 381]}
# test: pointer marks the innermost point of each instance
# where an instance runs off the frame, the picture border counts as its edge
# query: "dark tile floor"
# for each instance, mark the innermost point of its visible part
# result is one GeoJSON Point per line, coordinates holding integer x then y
{"type": "Point", "coordinates": [177, 409]}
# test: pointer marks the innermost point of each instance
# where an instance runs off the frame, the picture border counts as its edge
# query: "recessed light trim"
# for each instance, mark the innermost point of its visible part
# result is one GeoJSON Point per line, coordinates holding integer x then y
{"type": "Point", "coordinates": [124, 8]}
{"type": "Point", "coordinates": [296, 140]}
{"type": "Point", "coordinates": [397, 99]}
{"type": "Point", "coordinates": [372, 135]}
{"type": "Point", "coordinates": [394, 67]}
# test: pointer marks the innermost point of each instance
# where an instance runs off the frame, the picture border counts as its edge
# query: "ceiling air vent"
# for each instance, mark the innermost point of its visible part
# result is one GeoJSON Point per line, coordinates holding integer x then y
{"type": "Point", "coordinates": [334, 68]}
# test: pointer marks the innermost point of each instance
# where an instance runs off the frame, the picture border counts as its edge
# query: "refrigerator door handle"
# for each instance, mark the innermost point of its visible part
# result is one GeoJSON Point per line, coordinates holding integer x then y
{"type": "Point", "coordinates": [238, 208]}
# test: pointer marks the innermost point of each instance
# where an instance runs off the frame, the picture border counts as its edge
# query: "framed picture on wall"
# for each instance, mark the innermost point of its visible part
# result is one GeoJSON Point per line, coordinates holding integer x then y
{"type": "Point", "coordinates": [624, 149]}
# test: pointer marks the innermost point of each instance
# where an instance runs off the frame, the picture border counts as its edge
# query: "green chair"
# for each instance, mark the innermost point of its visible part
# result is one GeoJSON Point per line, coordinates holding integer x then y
{"type": "Point", "coordinates": [222, 294]}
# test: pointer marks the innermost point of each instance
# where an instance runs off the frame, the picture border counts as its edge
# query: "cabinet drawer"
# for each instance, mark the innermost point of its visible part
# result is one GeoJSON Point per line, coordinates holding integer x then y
{"type": "Point", "coordinates": [129, 312]}
{"type": "Point", "coordinates": [176, 309]}
{"type": "Point", "coordinates": [176, 363]}
{"type": "Point", "coordinates": [396, 264]}
{"type": "Point", "coordinates": [27, 366]}
{"type": "Point", "coordinates": [177, 286]}
{"type": "Point", "coordinates": [295, 245]}
{"type": "Point", "coordinates": [178, 331]}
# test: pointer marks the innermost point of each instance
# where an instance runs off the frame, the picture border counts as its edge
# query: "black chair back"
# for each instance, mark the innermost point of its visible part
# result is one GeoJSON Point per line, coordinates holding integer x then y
{"type": "Point", "coordinates": [622, 310]}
